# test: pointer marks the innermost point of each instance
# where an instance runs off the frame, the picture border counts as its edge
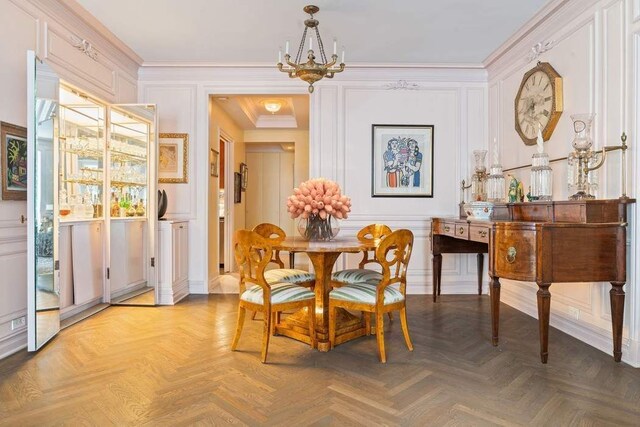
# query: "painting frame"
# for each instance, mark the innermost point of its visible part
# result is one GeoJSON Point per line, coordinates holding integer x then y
{"type": "Point", "coordinates": [214, 158]}
{"type": "Point", "coordinates": [244, 176]}
{"type": "Point", "coordinates": [396, 152]}
{"type": "Point", "coordinates": [14, 138]}
{"type": "Point", "coordinates": [173, 158]}
{"type": "Point", "coordinates": [237, 187]}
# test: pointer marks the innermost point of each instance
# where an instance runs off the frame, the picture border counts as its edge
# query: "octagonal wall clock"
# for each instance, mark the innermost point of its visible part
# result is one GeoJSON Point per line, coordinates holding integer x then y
{"type": "Point", "coordinates": [538, 103]}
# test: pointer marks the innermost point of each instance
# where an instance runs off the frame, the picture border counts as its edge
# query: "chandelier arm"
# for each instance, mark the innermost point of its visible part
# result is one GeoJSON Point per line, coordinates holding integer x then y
{"type": "Point", "coordinates": [334, 59]}
{"type": "Point", "coordinates": [301, 47]}
{"type": "Point", "coordinates": [323, 57]}
{"type": "Point", "coordinates": [289, 63]}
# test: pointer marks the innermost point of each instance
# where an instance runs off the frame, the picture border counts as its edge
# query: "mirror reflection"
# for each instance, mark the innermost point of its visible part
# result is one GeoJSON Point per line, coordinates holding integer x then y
{"type": "Point", "coordinates": [131, 134]}
{"type": "Point", "coordinates": [47, 290]}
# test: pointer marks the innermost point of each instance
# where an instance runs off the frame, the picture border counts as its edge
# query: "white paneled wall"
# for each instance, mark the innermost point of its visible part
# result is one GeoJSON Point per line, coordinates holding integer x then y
{"type": "Point", "coordinates": [592, 52]}
{"type": "Point", "coordinates": [454, 100]}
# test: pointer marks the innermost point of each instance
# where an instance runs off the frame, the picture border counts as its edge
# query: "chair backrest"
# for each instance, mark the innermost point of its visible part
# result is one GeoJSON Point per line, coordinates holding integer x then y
{"type": "Point", "coordinates": [253, 253]}
{"type": "Point", "coordinates": [275, 235]}
{"type": "Point", "coordinates": [370, 233]}
{"type": "Point", "coordinates": [393, 254]}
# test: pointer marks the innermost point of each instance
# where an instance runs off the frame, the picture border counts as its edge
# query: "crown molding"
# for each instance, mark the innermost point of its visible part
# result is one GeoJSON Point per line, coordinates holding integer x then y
{"type": "Point", "coordinates": [77, 18]}
{"type": "Point", "coordinates": [357, 65]}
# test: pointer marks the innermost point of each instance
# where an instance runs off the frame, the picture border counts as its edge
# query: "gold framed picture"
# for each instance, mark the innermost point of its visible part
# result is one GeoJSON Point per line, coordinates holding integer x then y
{"type": "Point", "coordinates": [173, 158]}
{"type": "Point", "coordinates": [213, 162]}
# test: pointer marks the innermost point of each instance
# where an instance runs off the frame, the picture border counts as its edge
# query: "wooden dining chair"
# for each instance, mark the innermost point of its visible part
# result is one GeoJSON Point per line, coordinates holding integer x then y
{"type": "Point", "coordinates": [393, 254]}
{"type": "Point", "coordinates": [276, 235]}
{"type": "Point", "coordinates": [253, 252]}
{"type": "Point", "coordinates": [369, 234]}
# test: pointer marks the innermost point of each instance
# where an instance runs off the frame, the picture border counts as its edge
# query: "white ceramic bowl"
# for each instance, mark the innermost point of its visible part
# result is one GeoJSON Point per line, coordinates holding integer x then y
{"type": "Point", "coordinates": [478, 210]}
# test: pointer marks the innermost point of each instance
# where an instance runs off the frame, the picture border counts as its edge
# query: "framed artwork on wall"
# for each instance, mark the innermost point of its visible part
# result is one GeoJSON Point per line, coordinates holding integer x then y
{"type": "Point", "coordinates": [14, 161]}
{"type": "Point", "coordinates": [173, 158]}
{"type": "Point", "coordinates": [402, 161]}
{"type": "Point", "coordinates": [213, 162]}
{"type": "Point", "coordinates": [244, 174]}
{"type": "Point", "coordinates": [237, 187]}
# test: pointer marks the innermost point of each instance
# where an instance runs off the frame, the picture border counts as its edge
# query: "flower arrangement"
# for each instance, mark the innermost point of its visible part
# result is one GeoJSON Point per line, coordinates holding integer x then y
{"type": "Point", "coordinates": [316, 202]}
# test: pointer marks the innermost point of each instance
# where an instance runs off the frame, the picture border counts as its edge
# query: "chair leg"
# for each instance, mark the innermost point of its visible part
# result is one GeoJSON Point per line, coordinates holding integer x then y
{"type": "Point", "coordinates": [405, 328]}
{"type": "Point", "coordinates": [332, 324]}
{"type": "Point", "coordinates": [367, 322]}
{"type": "Point", "coordinates": [380, 336]}
{"type": "Point", "coordinates": [236, 337]}
{"type": "Point", "coordinates": [253, 316]}
{"type": "Point", "coordinates": [266, 334]}
{"type": "Point", "coordinates": [274, 321]}
{"type": "Point", "coordinates": [312, 325]}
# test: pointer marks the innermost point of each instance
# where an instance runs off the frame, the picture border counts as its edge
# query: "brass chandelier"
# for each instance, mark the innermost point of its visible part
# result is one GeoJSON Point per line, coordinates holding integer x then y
{"type": "Point", "coordinates": [311, 71]}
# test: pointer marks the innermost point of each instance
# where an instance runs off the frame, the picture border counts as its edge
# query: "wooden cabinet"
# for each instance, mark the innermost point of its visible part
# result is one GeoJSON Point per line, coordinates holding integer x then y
{"type": "Point", "coordinates": [173, 261]}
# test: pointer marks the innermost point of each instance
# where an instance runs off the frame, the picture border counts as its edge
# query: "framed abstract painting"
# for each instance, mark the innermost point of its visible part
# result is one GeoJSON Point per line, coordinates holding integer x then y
{"type": "Point", "coordinates": [14, 161]}
{"type": "Point", "coordinates": [402, 161]}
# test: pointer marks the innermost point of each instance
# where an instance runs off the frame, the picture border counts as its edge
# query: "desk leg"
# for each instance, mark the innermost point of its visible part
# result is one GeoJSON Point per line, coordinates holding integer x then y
{"type": "Point", "coordinates": [292, 260]}
{"type": "Point", "coordinates": [544, 306]}
{"type": "Point", "coordinates": [617, 316]}
{"type": "Point", "coordinates": [437, 275]}
{"type": "Point", "coordinates": [480, 271]}
{"type": "Point", "coordinates": [494, 292]}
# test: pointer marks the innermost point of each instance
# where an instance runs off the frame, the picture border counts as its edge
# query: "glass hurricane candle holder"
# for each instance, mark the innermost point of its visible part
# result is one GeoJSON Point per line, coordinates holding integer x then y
{"type": "Point", "coordinates": [496, 186]}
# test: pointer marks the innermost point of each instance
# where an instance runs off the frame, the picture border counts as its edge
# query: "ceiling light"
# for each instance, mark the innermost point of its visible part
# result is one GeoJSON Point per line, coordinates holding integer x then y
{"type": "Point", "coordinates": [311, 71]}
{"type": "Point", "coordinates": [272, 106]}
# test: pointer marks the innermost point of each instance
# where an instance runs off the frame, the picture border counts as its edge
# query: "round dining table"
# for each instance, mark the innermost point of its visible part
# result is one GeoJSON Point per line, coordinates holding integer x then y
{"type": "Point", "coordinates": [323, 256]}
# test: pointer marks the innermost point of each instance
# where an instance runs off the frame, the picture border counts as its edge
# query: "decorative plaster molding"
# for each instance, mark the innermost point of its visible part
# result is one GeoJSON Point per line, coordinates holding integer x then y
{"type": "Point", "coordinates": [540, 48]}
{"type": "Point", "coordinates": [84, 46]}
{"type": "Point", "coordinates": [402, 85]}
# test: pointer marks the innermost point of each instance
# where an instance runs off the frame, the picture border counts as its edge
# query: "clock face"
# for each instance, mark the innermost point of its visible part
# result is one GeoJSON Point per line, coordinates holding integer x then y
{"type": "Point", "coordinates": [537, 104]}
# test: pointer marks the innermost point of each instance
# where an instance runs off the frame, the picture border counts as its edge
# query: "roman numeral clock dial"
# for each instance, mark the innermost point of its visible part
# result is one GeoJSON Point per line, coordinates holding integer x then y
{"type": "Point", "coordinates": [538, 103]}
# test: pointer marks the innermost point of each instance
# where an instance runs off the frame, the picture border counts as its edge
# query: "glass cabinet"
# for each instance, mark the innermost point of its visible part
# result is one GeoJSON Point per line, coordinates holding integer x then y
{"type": "Point", "coordinates": [92, 202]}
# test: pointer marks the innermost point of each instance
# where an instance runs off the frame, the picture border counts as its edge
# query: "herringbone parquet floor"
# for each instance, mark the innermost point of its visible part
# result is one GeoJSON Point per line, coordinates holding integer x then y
{"type": "Point", "coordinates": [172, 366]}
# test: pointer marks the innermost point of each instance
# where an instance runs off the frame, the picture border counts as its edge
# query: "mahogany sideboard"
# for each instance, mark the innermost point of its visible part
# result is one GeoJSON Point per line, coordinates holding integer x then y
{"type": "Point", "coordinates": [543, 242]}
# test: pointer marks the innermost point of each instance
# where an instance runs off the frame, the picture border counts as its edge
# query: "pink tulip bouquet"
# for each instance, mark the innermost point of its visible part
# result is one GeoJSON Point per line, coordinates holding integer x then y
{"type": "Point", "coordinates": [316, 202]}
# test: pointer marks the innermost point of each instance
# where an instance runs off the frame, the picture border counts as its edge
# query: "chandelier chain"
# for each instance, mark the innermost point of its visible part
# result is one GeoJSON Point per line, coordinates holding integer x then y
{"type": "Point", "coordinates": [301, 47]}
{"type": "Point", "coordinates": [323, 57]}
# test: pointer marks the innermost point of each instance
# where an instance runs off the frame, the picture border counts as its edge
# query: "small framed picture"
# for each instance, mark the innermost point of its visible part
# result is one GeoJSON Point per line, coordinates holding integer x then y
{"type": "Point", "coordinates": [173, 158]}
{"type": "Point", "coordinates": [402, 161]}
{"type": "Point", "coordinates": [213, 162]}
{"type": "Point", "coordinates": [237, 187]}
{"type": "Point", "coordinates": [14, 161]}
{"type": "Point", "coordinates": [244, 173]}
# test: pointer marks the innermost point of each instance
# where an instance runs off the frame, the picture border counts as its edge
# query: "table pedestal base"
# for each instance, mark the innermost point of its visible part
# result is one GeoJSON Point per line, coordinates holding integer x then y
{"type": "Point", "coordinates": [296, 326]}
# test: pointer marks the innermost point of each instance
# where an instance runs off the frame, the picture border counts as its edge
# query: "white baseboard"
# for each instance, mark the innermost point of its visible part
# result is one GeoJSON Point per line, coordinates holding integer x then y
{"type": "Point", "coordinates": [599, 338]}
{"type": "Point", "coordinates": [13, 343]}
{"type": "Point", "coordinates": [198, 287]}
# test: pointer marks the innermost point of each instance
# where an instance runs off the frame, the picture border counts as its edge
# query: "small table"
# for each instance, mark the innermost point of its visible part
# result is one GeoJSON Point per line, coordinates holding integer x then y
{"type": "Point", "coordinates": [323, 256]}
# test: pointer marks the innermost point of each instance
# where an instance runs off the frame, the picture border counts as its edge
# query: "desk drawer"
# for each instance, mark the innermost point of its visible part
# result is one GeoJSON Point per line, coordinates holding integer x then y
{"type": "Point", "coordinates": [448, 228]}
{"type": "Point", "coordinates": [478, 233]}
{"type": "Point", "coordinates": [515, 254]}
{"type": "Point", "coordinates": [461, 230]}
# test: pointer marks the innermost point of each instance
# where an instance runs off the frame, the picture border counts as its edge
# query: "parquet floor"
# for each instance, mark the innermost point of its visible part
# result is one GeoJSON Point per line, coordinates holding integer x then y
{"type": "Point", "coordinates": [172, 366]}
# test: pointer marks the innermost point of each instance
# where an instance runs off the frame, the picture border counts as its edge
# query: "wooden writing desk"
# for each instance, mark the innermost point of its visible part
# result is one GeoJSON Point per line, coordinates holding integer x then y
{"type": "Point", "coordinates": [543, 242]}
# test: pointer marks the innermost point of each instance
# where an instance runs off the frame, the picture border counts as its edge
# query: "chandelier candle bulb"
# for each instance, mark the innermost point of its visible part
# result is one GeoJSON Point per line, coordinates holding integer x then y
{"type": "Point", "coordinates": [335, 46]}
{"type": "Point", "coordinates": [286, 49]}
{"type": "Point", "coordinates": [342, 55]}
{"type": "Point", "coordinates": [280, 56]}
{"type": "Point", "coordinates": [310, 43]}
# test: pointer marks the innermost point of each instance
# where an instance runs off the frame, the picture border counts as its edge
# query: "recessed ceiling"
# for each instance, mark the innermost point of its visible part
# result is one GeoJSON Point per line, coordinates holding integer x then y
{"type": "Point", "coordinates": [373, 31]}
{"type": "Point", "coordinates": [249, 112]}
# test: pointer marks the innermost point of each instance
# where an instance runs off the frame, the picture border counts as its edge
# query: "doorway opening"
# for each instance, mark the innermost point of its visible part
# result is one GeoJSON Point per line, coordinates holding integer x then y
{"type": "Point", "coordinates": [262, 155]}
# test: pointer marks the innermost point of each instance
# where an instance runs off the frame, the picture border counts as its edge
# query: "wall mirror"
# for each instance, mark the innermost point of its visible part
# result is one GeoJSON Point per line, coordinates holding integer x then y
{"type": "Point", "coordinates": [133, 207]}
{"type": "Point", "coordinates": [43, 312]}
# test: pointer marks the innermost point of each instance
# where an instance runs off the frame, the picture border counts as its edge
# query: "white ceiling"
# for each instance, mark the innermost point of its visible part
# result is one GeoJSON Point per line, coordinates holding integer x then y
{"type": "Point", "coordinates": [372, 31]}
{"type": "Point", "coordinates": [249, 113]}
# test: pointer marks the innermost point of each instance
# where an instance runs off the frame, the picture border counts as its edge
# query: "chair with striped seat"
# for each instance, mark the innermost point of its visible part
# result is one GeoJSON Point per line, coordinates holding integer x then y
{"type": "Point", "coordinates": [290, 275]}
{"type": "Point", "coordinates": [253, 252]}
{"type": "Point", "coordinates": [370, 233]}
{"type": "Point", "coordinates": [393, 254]}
